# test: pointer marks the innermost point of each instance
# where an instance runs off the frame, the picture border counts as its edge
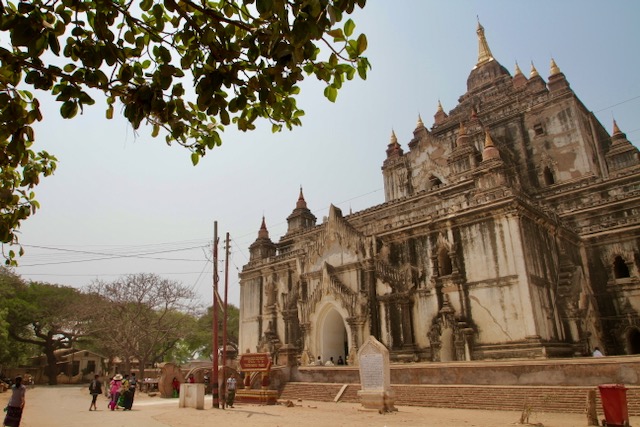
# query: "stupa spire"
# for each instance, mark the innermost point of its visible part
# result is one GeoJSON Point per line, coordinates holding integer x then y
{"type": "Point", "coordinates": [394, 149]}
{"type": "Point", "coordinates": [616, 129]}
{"type": "Point", "coordinates": [484, 53]}
{"type": "Point", "coordinates": [554, 68]}
{"type": "Point", "coordinates": [301, 203]}
{"type": "Point", "coordinates": [518, 70]}
{"type": "Point", "coordinates": [263, 233]}
{"type": "Point", "coordinates": [490, 150]}
{"type": "Point", "coordinates": [534, 72]}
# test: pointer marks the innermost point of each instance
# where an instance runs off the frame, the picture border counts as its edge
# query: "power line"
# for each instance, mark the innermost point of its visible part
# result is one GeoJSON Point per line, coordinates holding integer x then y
{"type": "Point", "coordinates": [107, 256]}
{"type": "Point", "coordinates": [619, 103]}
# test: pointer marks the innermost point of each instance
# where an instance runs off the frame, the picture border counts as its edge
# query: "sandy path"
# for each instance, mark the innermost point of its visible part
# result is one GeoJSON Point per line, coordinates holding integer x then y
{"type": "Point", "coordinates": [67, 406]}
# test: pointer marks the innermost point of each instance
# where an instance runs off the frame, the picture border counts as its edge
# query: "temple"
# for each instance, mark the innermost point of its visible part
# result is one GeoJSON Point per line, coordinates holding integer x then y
{"type": "Point", "coordinates": [510, 229]}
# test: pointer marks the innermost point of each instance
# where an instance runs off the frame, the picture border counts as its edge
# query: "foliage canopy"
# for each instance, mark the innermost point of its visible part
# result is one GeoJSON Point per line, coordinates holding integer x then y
{"type": "Point", "coordinates": [142, 317]}
{"type": "Point", "coordinates": [188, 67]}
{"type": "Point", "coordinates": [50, 317]}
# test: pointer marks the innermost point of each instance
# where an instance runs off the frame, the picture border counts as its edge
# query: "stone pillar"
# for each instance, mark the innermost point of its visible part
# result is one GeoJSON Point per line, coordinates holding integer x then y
{"type": "Point", "coordinates": [454, 259]}
{"type": "Point", "coordinates": [370, 288]}
{"type": "Point", "coordinates": [305, 328]}
{"type": "Point", "coordinates": [356, 327]}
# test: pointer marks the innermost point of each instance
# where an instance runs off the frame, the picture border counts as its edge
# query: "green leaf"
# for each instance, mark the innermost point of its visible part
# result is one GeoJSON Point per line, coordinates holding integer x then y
{"type": "Point", "coordinates": [146, 4]}
{"type": "Point", "coordinates": [349, 26]}
{"type": "Point", "coordinates": [195, 158]}
{"type": "Point", "coordinates": [69, 109]}
{"type": "Point", "coordinates": [264, 7]}
{"type": "Point", "coordinates": [362, 44]}
{"type": "Point", "coordinates": [331, 93]}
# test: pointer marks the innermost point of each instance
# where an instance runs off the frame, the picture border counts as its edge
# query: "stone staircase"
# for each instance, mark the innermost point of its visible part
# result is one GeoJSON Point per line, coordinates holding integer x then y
{"type": "Point", "coordinates": [501, 398]}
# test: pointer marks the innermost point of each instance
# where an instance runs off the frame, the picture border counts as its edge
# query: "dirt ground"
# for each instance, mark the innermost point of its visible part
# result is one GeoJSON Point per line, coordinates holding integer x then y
{"type": "Point", "coordinates": [68, 406]}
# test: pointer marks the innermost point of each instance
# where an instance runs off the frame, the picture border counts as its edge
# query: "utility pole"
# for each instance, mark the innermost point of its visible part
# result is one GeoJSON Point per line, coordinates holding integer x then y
{"type": "Point", "coordinates": [214, 343]}
{"type": "Point", "coordinates": [224, 319]}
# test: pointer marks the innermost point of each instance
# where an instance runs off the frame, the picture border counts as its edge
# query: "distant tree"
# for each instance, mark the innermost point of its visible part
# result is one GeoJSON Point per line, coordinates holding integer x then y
{"type": "Point", "coordinates": [143, 315]}
{"type": "Point", "coordinates": [12, 353]}
{"type": "Point", "coordinates": [243, 58]}
{"type": "Point", "coordinates": [200, 341]}
{"type": "Point", "coordinates": [48, 316]}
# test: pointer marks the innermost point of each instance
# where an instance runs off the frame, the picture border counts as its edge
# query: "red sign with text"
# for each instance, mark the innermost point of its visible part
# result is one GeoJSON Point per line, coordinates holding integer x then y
{"type": "Point", "coordinates": [255, 362]}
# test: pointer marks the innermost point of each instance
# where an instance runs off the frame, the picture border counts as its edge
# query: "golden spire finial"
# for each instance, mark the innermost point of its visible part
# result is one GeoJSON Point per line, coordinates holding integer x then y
{"type": "Point", "coordinates": [420, 122]}
{"type": "Point", "coordinates": [490, 151]}
{"type": "Point", "coordinates": [554, 68]}
{"type": "Point", "coordinates": [394, 139]}
{"type": "Point", "coordinates": [440, 106]}
{"type": "Point", "coordinates": [488, 142]}
{"type": "Point", "coordinates": [616, 129]}
{"type": "Point", "coordinates": [534, 72]}
{"type": "Point", "coordinates": [518, 70]}
{"type": "Point", "coordinates": [484, 53]}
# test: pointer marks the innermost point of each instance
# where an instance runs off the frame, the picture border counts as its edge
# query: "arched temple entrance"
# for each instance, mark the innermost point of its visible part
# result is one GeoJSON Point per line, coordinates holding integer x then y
{"type": "Point", "coordinates": [333, 337]}
{"type": "Point", "coordinates": [633, 341]}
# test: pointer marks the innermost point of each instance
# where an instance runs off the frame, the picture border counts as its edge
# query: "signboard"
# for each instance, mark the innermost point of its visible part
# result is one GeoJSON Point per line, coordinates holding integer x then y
{"type": "Point", "coordinates": [255, 362]}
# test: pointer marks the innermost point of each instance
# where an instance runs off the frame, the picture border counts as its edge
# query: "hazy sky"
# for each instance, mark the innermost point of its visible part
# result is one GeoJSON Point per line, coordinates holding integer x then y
{"type": "Point", "coordinates": [123, 203]}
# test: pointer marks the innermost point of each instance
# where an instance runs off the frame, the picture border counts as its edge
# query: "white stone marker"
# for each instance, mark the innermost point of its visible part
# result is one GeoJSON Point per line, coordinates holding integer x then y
{"type": "Point", "coordinates": [375, 377]}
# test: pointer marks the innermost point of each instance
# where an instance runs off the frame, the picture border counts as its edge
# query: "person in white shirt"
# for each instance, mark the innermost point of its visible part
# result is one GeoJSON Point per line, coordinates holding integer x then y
{"type": "Point", "coordinates": [231, 390]}
{"type": "Point", "coordinates": [16, 404]}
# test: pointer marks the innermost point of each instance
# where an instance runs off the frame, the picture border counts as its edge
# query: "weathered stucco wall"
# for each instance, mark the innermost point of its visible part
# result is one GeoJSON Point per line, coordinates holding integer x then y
{"type": "Point", "coordinates": [567, 372]}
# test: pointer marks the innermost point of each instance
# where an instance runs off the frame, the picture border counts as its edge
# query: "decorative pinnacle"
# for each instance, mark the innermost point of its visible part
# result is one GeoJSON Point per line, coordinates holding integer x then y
{"type": "Point", "coordinates": [534, 72]}
{"type": "Point", "coordinates": [554, 68]}
{"type": "Point", "coordinates": [518, 70]}
{"type": "Point", "coordinates": [484, 53]}
{"type": "Point", "coordinates": [616, 129]}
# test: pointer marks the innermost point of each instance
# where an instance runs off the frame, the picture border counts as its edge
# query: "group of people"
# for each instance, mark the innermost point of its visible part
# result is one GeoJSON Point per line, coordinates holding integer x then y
{"type": "Point", "coordinates": [329, 362]}
{"type": "Point", "coordinates": [121, 391]}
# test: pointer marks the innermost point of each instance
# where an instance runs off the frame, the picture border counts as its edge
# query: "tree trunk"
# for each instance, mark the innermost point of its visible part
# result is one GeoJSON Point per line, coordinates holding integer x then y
{"type": "Point", "coordinates": [141, 364]}
{"type": "Point", "coordinates": [52, 367]}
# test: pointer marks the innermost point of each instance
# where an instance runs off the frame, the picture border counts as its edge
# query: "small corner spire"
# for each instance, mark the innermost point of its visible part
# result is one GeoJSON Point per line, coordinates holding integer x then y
{"type": "Point", "coordinates": [534, 72]}
{"type": "Point", "coordinates": [490, 151]}
{"type": "Point", "coordinates": [488, 142]}
{"type": "Point", "coordinates": [616, 129]}
{"type": "Point", "coordinates": [301, 203]}
{"type": "Point", "coordinates": [517, 70]}
{"type": "Point", "coordinates": [263, 233]}
{"type": "Point", "coordinates": [420, 123]}
{"type": "Point", "coordinates": [554, 68]}
{"type": "Point", "coordinates": [394, 138]}
{"type": "Point", "coordinates": [440, 106]}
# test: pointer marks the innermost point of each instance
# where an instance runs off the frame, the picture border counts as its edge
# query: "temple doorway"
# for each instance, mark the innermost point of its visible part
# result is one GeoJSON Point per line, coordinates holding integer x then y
{"type": "Point", "coordinates": [333, 337]}
{"type": "Point", "coordinates": [633, 341]}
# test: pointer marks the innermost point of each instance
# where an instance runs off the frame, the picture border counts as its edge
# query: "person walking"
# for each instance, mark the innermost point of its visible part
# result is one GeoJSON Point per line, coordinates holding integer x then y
{"type": "Point", "coordinates": [175, 385]}
{"type": "Point", "coordinates": [95, 388]}
{"type": "Point", "coordinates": [231, 390]}
{"type": "Point", "coordinates": [114, 391]}
{"type": "Point", "coordinates": [133, 381]}
{"type": "Point", "coordinates": [16, 404]}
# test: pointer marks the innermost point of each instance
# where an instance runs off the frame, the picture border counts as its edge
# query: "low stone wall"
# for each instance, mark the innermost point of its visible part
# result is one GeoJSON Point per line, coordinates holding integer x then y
{"type": "Point", "coordinates": [589, 371]}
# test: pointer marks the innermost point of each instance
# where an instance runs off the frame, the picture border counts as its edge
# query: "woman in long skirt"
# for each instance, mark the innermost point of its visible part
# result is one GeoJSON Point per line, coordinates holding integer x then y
{"type": "Point", "coordinates": [115, 390]}
{"type": "Point", "coordinates": [16, 404]}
